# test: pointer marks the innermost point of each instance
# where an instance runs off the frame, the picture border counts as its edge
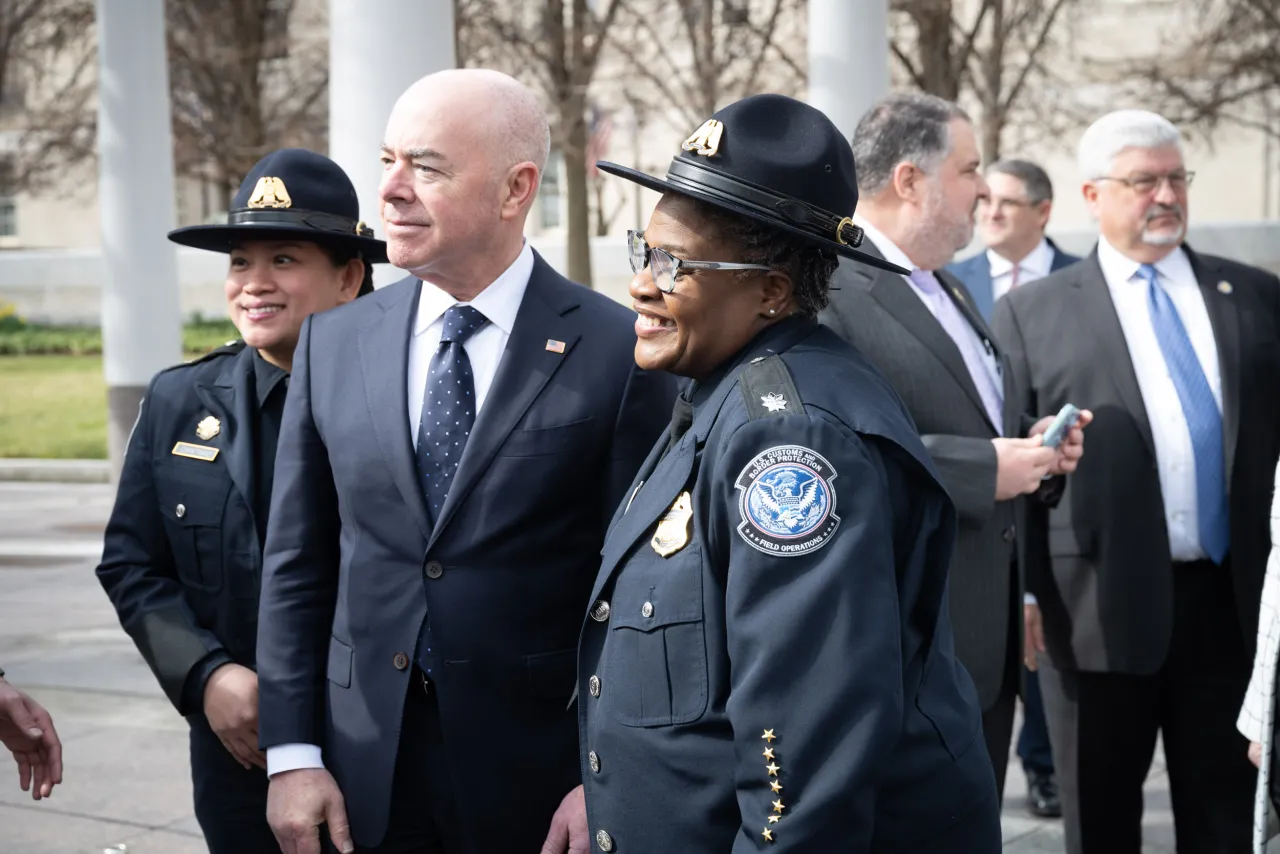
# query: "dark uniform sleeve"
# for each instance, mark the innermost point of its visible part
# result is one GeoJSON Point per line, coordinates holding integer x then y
{"type": "Point", "coordinates": [814, 638]}
{"type": "Point", "coordinates": [139, 576]}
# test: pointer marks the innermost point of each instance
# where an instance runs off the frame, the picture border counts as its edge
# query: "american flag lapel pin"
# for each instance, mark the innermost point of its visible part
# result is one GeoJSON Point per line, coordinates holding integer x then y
{"type": "Point", "coordinates": [555, 346]}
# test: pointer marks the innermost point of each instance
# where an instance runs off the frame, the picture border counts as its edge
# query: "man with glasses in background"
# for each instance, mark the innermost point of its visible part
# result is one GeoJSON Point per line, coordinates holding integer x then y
{"type": "Point", "coordinates": [1149, 570]}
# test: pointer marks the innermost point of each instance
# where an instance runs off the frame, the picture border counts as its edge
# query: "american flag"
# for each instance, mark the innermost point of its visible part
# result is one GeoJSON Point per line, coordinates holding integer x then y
{"type": "Point", "coordinates": [599, 131]}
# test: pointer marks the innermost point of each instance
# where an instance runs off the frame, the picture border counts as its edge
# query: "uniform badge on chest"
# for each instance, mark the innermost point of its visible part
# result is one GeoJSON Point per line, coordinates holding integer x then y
{"type": "Point", "coordinates": [208, 428]}
{"type": "Point", "coordinates": [673, 531]}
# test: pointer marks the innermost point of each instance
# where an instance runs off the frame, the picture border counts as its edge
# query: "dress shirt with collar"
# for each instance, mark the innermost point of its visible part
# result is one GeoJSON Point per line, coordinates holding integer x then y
{"type": "Point", "coordinates": [500, 303]}
{"type": "Point", "coordinates": [1037, 265]}
{"type": "Point", "coordinates": [1175, 456]}
{"type": "Point", "coordinates": [895, 255]}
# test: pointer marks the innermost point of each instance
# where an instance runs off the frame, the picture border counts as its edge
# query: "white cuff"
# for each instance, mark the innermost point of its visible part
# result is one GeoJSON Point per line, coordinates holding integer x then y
{"type": "Point", "coordinates": [292, 757]}
{"type": "Point", "coordinates": [1029, 599]}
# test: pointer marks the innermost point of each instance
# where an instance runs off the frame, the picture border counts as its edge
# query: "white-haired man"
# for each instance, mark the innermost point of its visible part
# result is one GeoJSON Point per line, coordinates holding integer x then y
{"type": "Point", "coordinates": [1149, 571]}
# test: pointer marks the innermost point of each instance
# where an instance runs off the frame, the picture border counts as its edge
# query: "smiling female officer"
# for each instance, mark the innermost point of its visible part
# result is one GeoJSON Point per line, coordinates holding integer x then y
{"type": "Point", "coordinates": [767, 661]}
{"type": "Point", "coordinates": [182, 559]}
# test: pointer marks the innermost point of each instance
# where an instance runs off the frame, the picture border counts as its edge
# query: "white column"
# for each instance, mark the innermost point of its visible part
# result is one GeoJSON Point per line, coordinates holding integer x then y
{"type": "Point", "coordinates": [141, 315]}
{"type": "Point", "coordinates": [377, 48]}
{"type": "Point", "coordinates": [848, 58]}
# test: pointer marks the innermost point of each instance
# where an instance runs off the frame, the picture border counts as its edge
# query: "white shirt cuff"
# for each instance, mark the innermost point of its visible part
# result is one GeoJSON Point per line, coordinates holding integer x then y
{"type": "Point", "coordinates": [292, 757]}
{"type": "Point", "coordinates": [1029, 599]}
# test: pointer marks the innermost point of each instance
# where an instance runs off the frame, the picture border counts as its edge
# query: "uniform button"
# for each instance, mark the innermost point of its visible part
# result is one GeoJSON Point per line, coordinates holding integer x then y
{"type": "Point", "coordinates": [594, 761]}
{"type": "Point", "coordinates": [400, 660]}
{"type": "Point", "coordinates": [593, 685]}
{"type": "Point", "coordinates": [1007, 534]}
{"type": "Point", "coordinates": [604, 840]}
{"type": "Point", "coordinates": [600, 611]}
{"type": "Point", "coordinates": [435, 569]}
{"type": "Point", "coordinates": [181, 510]}
{"type": "Point", "coordinates": [646, 610]}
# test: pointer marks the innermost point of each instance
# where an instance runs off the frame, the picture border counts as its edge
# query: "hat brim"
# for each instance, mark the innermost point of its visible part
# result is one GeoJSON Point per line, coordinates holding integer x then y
{"type": "Point", "coordinates": [221, 238]}
{"type": "Point", "coordinates": [663, 186]}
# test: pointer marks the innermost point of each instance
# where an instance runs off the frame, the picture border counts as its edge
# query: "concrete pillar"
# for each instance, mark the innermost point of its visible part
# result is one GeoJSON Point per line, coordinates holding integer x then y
{"type": "Point", "coordinates": [141, 314]}
{"type": "Point", "coordinates": [370, 65]}
{"type": "Point", "coordinates": [848, 58]}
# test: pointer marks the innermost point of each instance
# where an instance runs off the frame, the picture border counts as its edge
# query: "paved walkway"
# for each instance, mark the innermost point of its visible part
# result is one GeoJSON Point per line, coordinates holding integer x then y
{"type": "Point", "coordinates": [126, 780]}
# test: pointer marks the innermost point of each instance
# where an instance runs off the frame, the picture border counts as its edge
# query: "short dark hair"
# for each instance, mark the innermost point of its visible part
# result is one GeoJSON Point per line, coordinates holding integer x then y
{"type": "Point", "coordinates": [341, 255]}
{"type": "Point", "coordinates": [1034, 179]}
{"type": "Point", "coordinates": [905, 126]}
{"type": "Point", "coordinates": [809, 267]}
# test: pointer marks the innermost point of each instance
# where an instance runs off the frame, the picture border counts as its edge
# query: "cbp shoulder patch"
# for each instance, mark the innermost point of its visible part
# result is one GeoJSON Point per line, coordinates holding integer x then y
{"type": "Point", "coordinates": [787, 501]}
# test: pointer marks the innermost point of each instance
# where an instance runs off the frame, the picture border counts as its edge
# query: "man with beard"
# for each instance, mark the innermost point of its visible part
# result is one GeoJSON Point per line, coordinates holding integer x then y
{"type": "Point", "coordinates": [1149, 570]}
{"type": "Point", "coordinates": [918, 183]}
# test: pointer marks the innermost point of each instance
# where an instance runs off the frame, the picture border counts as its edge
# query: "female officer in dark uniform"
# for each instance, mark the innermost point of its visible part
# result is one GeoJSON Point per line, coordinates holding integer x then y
{"type": "Point", "coordinates": [182, 557]}
{"type": "Point", "coordinates": [767, 661]}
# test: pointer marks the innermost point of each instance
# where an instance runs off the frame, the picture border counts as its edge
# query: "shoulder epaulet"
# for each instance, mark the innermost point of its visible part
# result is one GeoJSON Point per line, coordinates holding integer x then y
{"type": "Point", "coordinates": [767, 388]}
{"type": "Point", "coordinates": [231, 348]}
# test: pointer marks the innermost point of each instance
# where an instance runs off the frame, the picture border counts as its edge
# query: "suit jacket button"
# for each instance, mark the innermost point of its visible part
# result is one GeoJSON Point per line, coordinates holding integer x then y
{"type": "Point", "coordinates": [600, 611]}
{"type": "Point", "coordinates": [593, 759]}
{"type": "Point", "coordinates": [1007, 535]}
{"type": "Point", "coordinates": [593, 685]}
{"type": "Point", "coordinates": [604, 840]}
{"type": "Point", "coordinates": [435, 569]}
{"type": "Point", "coordinates": [400, 660]}
{"type": "Point", "coordinates": [180, 510]}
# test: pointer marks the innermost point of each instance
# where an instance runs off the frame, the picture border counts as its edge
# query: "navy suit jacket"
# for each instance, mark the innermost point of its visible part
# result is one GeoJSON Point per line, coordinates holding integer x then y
{"type": "Point", "coordinates": [353, 565]}
{"type": "Point", "coordinates": [975, 272]}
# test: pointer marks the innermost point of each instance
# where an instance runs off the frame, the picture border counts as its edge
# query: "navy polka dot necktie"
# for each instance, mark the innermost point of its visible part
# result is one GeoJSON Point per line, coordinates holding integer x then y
{"type": "Point", "coordinates": [448, 407]}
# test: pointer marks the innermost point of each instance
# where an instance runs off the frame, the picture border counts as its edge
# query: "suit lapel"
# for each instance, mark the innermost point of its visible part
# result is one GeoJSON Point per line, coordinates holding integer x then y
{"type": "Point", "coordinates": [1102, 326]}
{"type": "Point", "coordinates": [1225, 319]}
{"type": "Point", "coordinates": [384, 362]}
{"type": "Point", "coordinates": [526, 367]}
{"type": "Point", "coordinates": [230, 399]}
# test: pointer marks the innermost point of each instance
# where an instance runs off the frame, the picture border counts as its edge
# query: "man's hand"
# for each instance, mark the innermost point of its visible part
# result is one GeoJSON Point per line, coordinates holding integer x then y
{"type": "Point", "coordinates": [1021, 465]}
{"type": "Point", "coordinates": [1255, 754]}
{"type": "Point", "coordinates": [569, 826]}
{"type": "Point", "coordinates": [1033, 635]}
{"type": "Point", "coordinates": [1070, 449]}
{"type": "Point", "coordinates": [298, 802]}
{"type": "Point", "coordinates": [231, 707]}
{"type": "Point", "coordinates": [27, 731]}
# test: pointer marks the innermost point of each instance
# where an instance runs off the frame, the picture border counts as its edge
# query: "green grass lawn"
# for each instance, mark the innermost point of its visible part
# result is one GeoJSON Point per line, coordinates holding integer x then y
{"type": "Point", "coordinates": [53, 407]}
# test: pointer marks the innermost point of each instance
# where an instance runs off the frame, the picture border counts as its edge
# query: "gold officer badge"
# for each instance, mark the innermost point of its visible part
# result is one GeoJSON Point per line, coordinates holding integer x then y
{"type": "Point", "coordinates": [706, 139]}
{"type": "Point", "coordinates": [270, 193]}
{"type": "Point", "coordinates": [208, 428]}
{"type": "Point", "coordinates": [673, 531]}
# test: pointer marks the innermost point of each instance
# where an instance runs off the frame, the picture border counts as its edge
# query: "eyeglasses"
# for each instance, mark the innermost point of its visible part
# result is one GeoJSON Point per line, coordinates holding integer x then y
{"type": "Point", "coordinates": [1147, 184]}
{"type": "Point", "coordinates": [665, 267]}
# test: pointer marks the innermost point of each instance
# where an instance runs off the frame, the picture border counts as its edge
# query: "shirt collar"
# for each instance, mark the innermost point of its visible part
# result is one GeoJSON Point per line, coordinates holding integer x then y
{"type": "Point", "coordinates": [1038, 261]}
{"type": "Point", "coordinates": [499, 302]}
{"type": "Point", "coordinates": [887, 247]}
{"type": "Point", "coordinates": [1118, 267]}
{"type": "Point", "coordinates": [266, 377]}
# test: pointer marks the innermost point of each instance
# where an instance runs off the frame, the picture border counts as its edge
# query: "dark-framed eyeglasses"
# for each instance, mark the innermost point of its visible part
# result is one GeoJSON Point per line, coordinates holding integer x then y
{"type": "Point", "coordinates": [665, 267]}
{"type": "Point", "coordinates": [1144, 184]}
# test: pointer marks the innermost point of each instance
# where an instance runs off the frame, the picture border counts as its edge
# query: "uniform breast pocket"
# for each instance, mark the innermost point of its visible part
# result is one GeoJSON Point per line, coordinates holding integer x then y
{"type": "Point", "coordinates": [655, 670]}
{"type": "Point", "coordinates": [192, 507]}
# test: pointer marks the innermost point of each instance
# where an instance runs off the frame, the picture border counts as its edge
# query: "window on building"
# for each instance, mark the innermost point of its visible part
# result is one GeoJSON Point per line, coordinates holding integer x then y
{"type": "Point", "coordinates": [549, 194]}
{"type": "Point", "coordinates": [8, 201]}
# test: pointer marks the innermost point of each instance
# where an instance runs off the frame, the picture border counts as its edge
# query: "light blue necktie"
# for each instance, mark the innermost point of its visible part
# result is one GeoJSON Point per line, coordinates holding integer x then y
{"type": "Point", "coordinates": [1202, 415]}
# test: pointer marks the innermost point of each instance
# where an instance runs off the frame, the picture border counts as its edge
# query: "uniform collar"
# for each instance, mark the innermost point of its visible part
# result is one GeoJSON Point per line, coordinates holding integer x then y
{"type": "Point", "coordinates": [773, 339]}
{"type": "Point", "coordinates": [266, 376]}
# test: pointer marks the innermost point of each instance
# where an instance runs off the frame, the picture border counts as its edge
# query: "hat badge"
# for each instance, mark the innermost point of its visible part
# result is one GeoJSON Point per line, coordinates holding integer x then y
{"type": "Point", "coordinates": [270, 193]}
{"type": "Point", "coordinates": [706, 139]}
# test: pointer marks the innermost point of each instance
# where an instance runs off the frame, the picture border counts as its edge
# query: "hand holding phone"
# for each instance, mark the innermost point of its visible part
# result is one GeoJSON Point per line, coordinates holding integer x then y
{"type": "Point", "coordinates": [1061, 426]}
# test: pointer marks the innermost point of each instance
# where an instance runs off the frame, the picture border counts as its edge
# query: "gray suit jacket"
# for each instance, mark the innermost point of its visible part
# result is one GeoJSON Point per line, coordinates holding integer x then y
{"type": "Point", "coordinates": [878, 313]}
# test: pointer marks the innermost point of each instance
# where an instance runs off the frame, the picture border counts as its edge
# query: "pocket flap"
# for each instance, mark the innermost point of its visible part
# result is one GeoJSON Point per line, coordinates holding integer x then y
{"type": "Point", "coordinates": [339, 663]}
{"type": "Point", "coordinates": [188, 502]}
{"type": "Point", "coordinates": [544, 441]}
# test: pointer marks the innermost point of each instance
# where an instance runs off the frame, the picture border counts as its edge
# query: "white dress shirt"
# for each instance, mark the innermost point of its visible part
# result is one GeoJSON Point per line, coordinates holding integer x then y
{"type": "Point", "coordinates": [1036, 265]}
{"type": "Point", "coordinates": [894, 255]}
{"type": "Point", "coordinates": [1175, 457]}
{"type": "Point", "coordinates": [500, 302]}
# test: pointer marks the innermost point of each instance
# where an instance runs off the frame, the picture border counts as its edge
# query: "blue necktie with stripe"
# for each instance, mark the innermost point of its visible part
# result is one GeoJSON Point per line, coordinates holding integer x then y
{"type": "Point", "coordinates": [1202, 415]}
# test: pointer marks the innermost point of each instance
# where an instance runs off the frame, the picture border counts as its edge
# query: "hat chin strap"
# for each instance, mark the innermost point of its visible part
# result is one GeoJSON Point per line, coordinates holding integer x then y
{"type": "Point", "coordinates": [325, 222]}
{"type": "Point", "coordinates": [691, 176]}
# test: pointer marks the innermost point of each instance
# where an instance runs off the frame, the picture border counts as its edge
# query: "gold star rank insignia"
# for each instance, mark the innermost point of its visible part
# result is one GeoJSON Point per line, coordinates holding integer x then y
{"type": "Point", "coordinates": [768, 753]}
{"type": "Point", "coordinates": [767, 834]}
{"type": "Point", "coordinates": [768, 736]}
{"type": "Point", "coordinates": [776, 786]}
{"type": "Point", "coordinates": [774, 819]}
{"type": "Point", "coordinates": [772, 769]}
{"type": "Point", "coordinates": [777, 806]}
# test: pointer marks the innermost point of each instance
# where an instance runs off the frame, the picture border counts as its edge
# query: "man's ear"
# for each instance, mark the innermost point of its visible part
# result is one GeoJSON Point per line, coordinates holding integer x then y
{"type": "Point", "coordinates": [518, 189]}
